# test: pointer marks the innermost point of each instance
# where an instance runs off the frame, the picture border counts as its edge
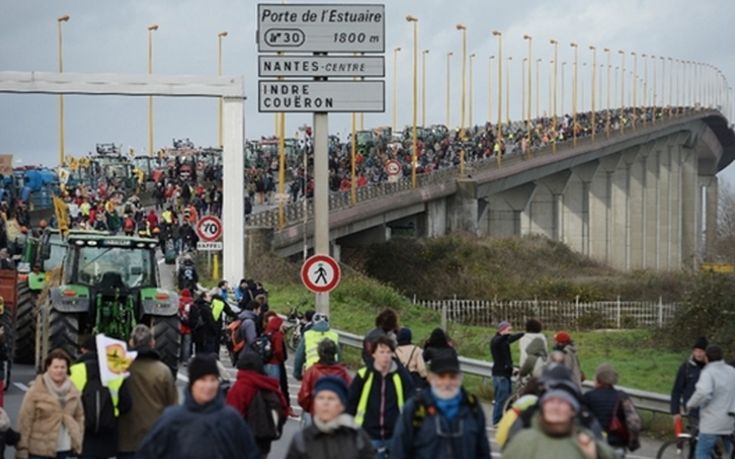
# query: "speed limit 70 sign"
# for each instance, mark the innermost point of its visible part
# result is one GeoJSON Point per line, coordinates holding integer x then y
{"type": "Point", "coordinates": [209, 228]}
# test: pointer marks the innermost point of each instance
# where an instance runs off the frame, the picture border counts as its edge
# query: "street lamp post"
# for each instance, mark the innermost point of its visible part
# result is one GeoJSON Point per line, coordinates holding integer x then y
{"type": "Point", "coordinates": [538, 98]}
{"type": "Point", "coordinates": [61, 96]}
{"type": "Point", "coordinates": [528, 100]}
{"type": "Point", "coordinates": [645, 88]}
{"type": "Point", "coordinates": [634, 84]}
{"type": "Point", "coordinates": [607, 122]}
{"type": "Point", "coordinates": [553, 102]}
{"type": "Point", "coordinates": [563, 84]}
{"type": "Point", "coordinates": [472, 90]}
{"type": "Point", "coordinates": [622, 90]}
{"type": "Point", "coordinates": [671, 87]}
{"type": "Point", "coordinates": [499, 136]}
{"type": "Point", "coordinates": [151, 29]}
{"type": "Point", "coordinates": [523, 89]}
{"type": "Point", "coordinates": [395, 89]}
{"type": "Point", "coordinates": [463, 99]}
{"type": "Point", "coordinates": [414, 143]}
{"type": "Point", "coordinates": [449, 91]}
{"type": "Point", "coordinates": [423, 87]}
{"type": "Point", "coordinates": [594, 87]}
{"type": "Point", "coordinates": [574, 94]}
{"type": "Point", "coordinates": [220, 36]}
{"type": "Point", "coordinates": [490, 89]}
{"type": "Point", "coordinates": [507, 91]}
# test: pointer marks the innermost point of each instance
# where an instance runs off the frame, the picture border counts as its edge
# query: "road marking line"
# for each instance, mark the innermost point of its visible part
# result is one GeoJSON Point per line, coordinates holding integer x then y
{"type": "Point", "coordinates": [21, 386]}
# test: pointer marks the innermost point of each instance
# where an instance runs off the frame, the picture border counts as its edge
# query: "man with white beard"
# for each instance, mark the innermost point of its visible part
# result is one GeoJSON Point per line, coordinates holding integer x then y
{"type": "Point", "coordinates": [442, 421]}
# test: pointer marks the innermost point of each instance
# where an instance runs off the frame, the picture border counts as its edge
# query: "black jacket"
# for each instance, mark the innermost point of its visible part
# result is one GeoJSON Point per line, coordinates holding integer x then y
{"type": "Point", "coordinates": [686, 380]}
{"type": "Point", "coordinates": [103, 444]}
{"type": "Point", "coordinates": [344, 440]}
{"type": "Point", "coordinates": [213, 430]}
{"type": "Point", "coordinates": [379, 423]}
{"type": "Point", "coordinates": [500, 350]}
{"type": "Point", "coordinates": [601, 403]}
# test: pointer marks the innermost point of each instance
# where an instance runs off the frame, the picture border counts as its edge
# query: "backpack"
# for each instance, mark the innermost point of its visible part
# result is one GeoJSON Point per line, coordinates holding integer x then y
{"type": "Point", "coordinates": [263, 347]}
{"type": "Point", "coordinates": [265, 415]}
{"type": "Point", "coordinates": [99, 409]}
{"type": "Point", "coordinates": [236, 339]}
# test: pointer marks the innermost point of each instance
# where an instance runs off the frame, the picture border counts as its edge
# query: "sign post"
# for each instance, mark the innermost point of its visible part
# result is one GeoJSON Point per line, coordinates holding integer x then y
{"type": "Point", "coordinates": [209, 230]}
{"type": "Point", "coordinates": [321, 29]}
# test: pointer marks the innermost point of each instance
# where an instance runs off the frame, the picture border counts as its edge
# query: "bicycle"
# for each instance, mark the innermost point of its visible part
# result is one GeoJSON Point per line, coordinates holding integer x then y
{"type": "Point", "coordinates": [292, 327]}
{"type": "Point", "coordinates": [684, 446]}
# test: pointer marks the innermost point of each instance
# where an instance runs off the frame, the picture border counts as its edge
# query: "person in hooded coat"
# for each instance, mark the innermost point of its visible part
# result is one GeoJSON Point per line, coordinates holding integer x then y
{"type": "Point", "coordinates": [204, 426]}
{"type": "Point", "coordinates": [253, 390]}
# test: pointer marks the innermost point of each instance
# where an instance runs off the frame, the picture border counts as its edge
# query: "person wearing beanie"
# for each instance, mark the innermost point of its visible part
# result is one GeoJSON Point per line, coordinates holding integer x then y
{"type": "Point", "coordinates": [686, 381]}
{"type": "Point", "coordinates": [502, 365]}
{"type": "Point", "coordinates": [411, 357]}
{"type": "Point", "coordinates": [443, 420]}
{"type": "Point", "coordinates": [204, 426]}
{"type": "Point", "coordinates": [607, 403]}
{"type": "Point", "coordinates": [563, 343]}
{"type": "Point", "coordinates": [333, 434]}
{"type": "Point", "coordinates": [326, 366]}
{"type": "Point", "coordinates": [555, 432]}
{"type": "Point", "coordinates": [252, 383]}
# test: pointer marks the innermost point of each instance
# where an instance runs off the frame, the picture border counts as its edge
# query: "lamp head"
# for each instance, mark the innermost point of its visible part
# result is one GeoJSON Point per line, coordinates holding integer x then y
{"type": "Point", "coordinates": [461, 27]}
{"type": "Point", "coordinates": [573, 45]}
{"type": "Point", "coordinates": [497, 34]}
{"type": "Point", "coordinates": [607, 50]}
{"type": "Point", "coordinates": [426, 51]}
{"type": "Point", "coordinates": [410, 18]}
{"type": "Point", "coordinates": [396, 49]}
{"type": "Point", "coordinates": [450, 53]}
{"type": "Point", "coordinates": [222, 34]}
{"type": "Point", "coordinates": [153, 27]}
{"type": "Point", "coordinates": [63, 18]}
{"type": "Point", "coordinates": [527, 37]}
{"type": "Point", "coordinates": [553, 42]}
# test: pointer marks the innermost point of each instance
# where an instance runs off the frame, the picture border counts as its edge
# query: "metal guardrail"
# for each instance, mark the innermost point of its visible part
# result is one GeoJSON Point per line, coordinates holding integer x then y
{"type": "Point", "coordinates": [643, 400]}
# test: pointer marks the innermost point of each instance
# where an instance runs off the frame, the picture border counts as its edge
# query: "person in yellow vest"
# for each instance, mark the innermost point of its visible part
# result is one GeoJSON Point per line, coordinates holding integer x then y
{"type": "Point", "coordinates": [220, 307]}
{"type": "Point", "coordinates": [378, 394]}
{"type": "Point", "coordinates": [307, 353]}
{"type": "Point", "coordinates": [102, 405]}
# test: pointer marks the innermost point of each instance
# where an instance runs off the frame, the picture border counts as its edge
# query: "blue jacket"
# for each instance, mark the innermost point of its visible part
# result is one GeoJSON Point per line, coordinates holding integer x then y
{"type": "Point", "coordinates": [686, 381]}
{"type": "Point", "coordinates": [426, 441]}
{"type": "Point", "coordinates": [191, 430]}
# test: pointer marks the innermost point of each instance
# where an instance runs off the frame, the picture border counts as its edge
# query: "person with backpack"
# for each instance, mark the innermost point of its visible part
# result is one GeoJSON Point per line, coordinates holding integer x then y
{"type": "Point", "coordinates": [326, 366]}
{"type": "Point", "coordinates": [244, 331]}
{"type": "Point", "coordinates": [614, 410]}
{"type": "Point", "coordinates": [563, 342]}
{"type": "Point", "coordinates": [378, 394]}
{"type": "Point", "coordinates": [386, 324]}
{"type": "Point", "coordinates": [533, 331]}
{"type": "Point", "coordinates": [271, 346]}
{"type": "Point", "coordinates": [204, 426]}
{"type": "Point", "coordinates": [535, 359]}
{"type": "Point", "coordinates": [258, 399]}
{"type": "Point", "coordinates": [202, 324]}
{"type": "Point", "coordinates": [188, 277]}
{"type": "Point", "coordinates": [443, 421]}
{"type": "Point", "coordinates": [411, 357]}
{"type": "Point", "coordinates": [102, 404]}
{"type": "Point", "coordinates": [438, 345]}
{"type": "Point", "coordinates": [334, 433]}
{"type": "Point", "coordinates": [307, 354]}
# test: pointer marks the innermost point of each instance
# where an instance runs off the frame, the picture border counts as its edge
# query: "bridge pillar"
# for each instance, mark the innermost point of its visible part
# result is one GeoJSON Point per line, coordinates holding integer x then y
{"type": "Point", "coordinates": [505, 211]}
{"type": "Point", "coordinates": [434, 223]}
{"type": "Point", "coordinates": [620, 207]}
{"type": "Point", "coordinates": [601, 210]}
{"type": "Point", "coordinates": [690, 207]}
{"type": "Point", "coordinates": [637, 211]}
{"type": "Point", "coordinates": [465, 208]}
{"type": "Point", "coordinates": [577, 198]}
{"type": "Point", "coordinates": [653, 208]}
{"type": "Point", "coordinates": [546, 209]}
{"type": "Point", "coordinates": [707, 223]}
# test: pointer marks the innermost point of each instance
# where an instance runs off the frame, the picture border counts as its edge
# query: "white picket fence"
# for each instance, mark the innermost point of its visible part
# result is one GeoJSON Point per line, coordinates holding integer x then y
{"type": "Point", "coordinates": [554, 314]}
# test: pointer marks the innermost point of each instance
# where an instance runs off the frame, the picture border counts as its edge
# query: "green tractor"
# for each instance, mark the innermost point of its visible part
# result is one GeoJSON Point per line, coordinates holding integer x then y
{"type": "Point", "coordinates": [108, 285]}
{"type": "Point", "coordinates": [40, 256]}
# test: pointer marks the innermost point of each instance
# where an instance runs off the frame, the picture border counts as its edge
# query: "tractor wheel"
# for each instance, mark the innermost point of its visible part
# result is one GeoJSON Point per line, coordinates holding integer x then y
{"type": "Point", "coordinates": [25, 325]}
{"type": "Point", "coordinates": [63, 333]}
{"type": "Point", "coordinates": [168, 340]}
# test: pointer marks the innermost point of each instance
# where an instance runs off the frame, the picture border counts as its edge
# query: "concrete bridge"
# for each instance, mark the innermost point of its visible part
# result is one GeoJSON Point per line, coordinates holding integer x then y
{"type": "Point", "coordinates": [645, 198]}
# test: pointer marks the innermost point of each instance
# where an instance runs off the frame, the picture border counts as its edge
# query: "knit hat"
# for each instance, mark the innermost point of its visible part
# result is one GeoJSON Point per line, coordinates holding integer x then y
{"type": "Point", "coordinates": [563, 337]}
{"type": "Point", "coordinates": [202, 365]}
{"type": "Point", "coordinates": [444, 364]}
{"type": "Point", "coordinates": [701, 343]}
{"type": "Point", "coordinates": [503, 325]}
{"type": "Point", "coordinates": [404, 336]}
{"type": "Point", "coordinates": [562, 395]}
{"type": "Point", "coordinates": [334, 384]}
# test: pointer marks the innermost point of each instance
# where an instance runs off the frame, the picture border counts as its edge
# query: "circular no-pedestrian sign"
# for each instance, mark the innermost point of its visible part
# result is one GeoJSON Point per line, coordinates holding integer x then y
{"type": "Point", "coordinates": [392, 167]}
{"type": "Point", "coordinates": [320, 273]}
{"type": "Point", "coordinates": [209, 228]}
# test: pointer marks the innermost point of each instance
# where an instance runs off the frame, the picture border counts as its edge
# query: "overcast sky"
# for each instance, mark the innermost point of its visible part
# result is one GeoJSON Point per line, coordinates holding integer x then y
{"type": "Point", "coordinates": [111, 37]}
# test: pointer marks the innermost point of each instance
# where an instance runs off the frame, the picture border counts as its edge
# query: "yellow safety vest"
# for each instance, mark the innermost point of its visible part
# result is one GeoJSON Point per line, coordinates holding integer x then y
{"type": "Point", "coordinates": [312, 338]}
{"type": "Point", "coordinates": [79, 378]}
{"type": "Point", "coordinates": [365, 394]}
{"type": "Point", "coordinates": [217, 307]}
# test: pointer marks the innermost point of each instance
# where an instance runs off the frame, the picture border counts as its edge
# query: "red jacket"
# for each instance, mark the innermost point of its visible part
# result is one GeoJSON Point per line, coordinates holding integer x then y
{"type": "Point", "coordinates": [241, 394]}
{"type": "Point", "coordinates": [313, 374]}
{"type": "Point", "coordinates": [273, 329]}
{"type": "Point", "coordinates": [185, 300]}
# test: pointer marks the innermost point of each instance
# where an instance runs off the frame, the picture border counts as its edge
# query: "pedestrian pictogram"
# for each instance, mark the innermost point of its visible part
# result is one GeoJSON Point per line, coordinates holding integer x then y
{"type": "Point", "coordinates": [320, 273]}
{"type": "Point", "coordinates": [209, 228]}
